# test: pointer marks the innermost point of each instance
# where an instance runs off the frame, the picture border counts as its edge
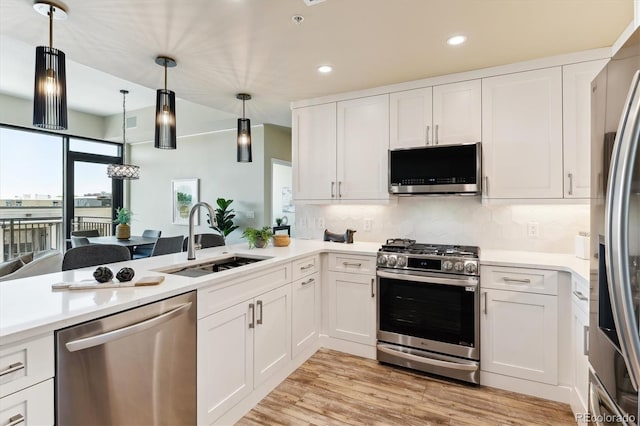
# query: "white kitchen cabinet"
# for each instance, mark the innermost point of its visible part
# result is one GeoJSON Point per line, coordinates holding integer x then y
{"type": "Point", "coordinates": [519, 323]}
{"type": "Point", "coordinates": [362, 144]}
{"type": "Point", "coordinates": [239, 348]}
{"type": "Point", "coordinates": [457, 113]}
{"type": "Point", "coordinates": [314, 152]}
{"type": "Point", "coordinates": [305, 327]}
{"type": "Point", "coordinates": [522, 134]}
{"type": "Point", "coordinates": [352, 302]}
{"type": "Point", "coordinates": [579, 334]}
{"type": "Point", "coordinates": [411, 118]}
{"type": "Point", "coordinates": [32, 406]}
{"type": "Point", "coordinates": [439, 115]}
{"type": "Point", "coordinates": [340, 151]}
{"type": "Point", "coordinates": [576, 120]}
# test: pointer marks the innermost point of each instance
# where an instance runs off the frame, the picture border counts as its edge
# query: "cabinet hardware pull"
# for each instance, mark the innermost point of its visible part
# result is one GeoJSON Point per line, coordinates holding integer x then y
{"type": "Point", "coordinates": [333, 185]}
{"type": "Point", "coordinates": [259, 303]}
{"type": "Point", "coordinates": [373, 294]}
{"type": "Point", "coordinates": [585, 340]}
{"type": "Point", "coordinates": [484, 299]}
{"type": "Point", "coordinates": [486, 185]}
{"type": "Point", "coordinates": [253, 316]}
{"type": "Point", "coordinates": [517, 280]}
{"type": "Point", "coordinates": [309, 281]}
{"type": "Point", "coordinates": [339, 189]}
{"type": "Point", "coordinates": [357, 265]}
{"type": "Point", "coordinates": [580, 296]}
{"type": "Point", "coordinates": [426, 139]}
{"type": "Point", "coordinates": [310, 265]}
{"type": "Point", "coordinates": [14, 420]}
{"type": "Point", "coordinates": [12, 368]}
{"type": "Point", "coordinates": [436, 137]}
{"type": "Point", "coordinates": [570, 183]}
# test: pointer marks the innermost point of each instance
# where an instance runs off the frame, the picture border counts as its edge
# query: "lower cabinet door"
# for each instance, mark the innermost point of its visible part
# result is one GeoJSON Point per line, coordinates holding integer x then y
{"type": "Point", "coordinates": [352, 307]}
{"type": "Point", "coordinates": [580, 325]}
{"type": "Point", "coordinates": [225, 360]}
{"type": "Point", "coordinates": [272, 341]}
{"type": "Point", "coordinates": [306, 312]}
{"type": "Point", "coordinates": [30, 406]}
{"type": "Point", "coordinates": [519, 335]}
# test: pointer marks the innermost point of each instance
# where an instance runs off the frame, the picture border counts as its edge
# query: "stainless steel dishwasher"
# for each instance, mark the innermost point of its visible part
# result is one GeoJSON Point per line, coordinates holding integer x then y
{"type": "Point", "coordinates": [136, 367]}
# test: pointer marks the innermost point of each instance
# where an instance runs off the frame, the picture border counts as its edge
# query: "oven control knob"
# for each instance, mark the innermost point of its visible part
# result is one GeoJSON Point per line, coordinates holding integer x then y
{"type": "Point", "coordinates": [391, 261]}
{"type": "Point", "coordinates": [402, 261]}
{"type": "Point", "coordinates": [382, 259]}
{"type": "Point", "coordinates": [458, 266]}
{"type": "Point", "coordinates": [447, 265]}
{"type": "Point", "coordinates": [471, 268]}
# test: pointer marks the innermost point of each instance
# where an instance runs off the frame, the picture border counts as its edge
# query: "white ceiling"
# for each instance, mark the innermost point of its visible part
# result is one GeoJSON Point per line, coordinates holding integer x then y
{"type": "Point", "coordinates": [223, 47]}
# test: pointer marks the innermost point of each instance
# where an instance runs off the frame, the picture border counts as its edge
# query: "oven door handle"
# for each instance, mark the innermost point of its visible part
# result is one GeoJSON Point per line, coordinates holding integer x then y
{"type": "Point", "coordinates": [430, 361]}
{"type": "Point", "coordinates": [429, 280]}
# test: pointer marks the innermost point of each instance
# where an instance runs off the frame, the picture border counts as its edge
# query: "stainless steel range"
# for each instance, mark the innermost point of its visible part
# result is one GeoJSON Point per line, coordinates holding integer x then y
{"type": "Point", "coordinates": [429, 308]}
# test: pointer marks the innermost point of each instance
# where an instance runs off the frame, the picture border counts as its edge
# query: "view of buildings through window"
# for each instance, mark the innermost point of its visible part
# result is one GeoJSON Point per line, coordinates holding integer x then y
{"type": "Point", "coordinates": [32, 189]}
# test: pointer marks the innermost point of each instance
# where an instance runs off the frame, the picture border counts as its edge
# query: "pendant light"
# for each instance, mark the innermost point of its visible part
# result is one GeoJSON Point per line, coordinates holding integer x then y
{"type": "Point", "coordinates": [123, 171]}
{"type": "Point", "coordinates": [50, 87]}
{"type": "Point", "coordinates": [165, 136]}
{"type": "Point", "coordinates": [244, 133]}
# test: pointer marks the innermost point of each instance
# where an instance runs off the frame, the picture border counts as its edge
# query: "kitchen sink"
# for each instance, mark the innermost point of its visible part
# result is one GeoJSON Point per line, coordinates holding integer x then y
{"type": "Point", "coordinates": [213, 266]}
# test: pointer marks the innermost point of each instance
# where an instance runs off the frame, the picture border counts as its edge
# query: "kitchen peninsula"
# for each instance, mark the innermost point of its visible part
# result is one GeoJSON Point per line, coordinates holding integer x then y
{"type": "Point", "coordinates": [30, 312]}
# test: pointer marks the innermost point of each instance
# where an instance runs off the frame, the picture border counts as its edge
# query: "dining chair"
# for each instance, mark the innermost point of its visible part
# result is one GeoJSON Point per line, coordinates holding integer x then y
{"type": "Point", "coordinates": [145, 250]}
{"type": "Point", "coordinates": [205, 241]}
{"type": "Point", "coordinates": [79, 241]}
{"type": "Point", "coordinates": [167, 245]}
{"type": "Point", "coordinates": [86, 233]}
{"type": "Point", "coordinates": [94, 255]}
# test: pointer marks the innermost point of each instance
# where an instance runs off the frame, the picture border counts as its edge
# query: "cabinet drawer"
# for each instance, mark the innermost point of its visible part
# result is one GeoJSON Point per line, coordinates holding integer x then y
{"type": "Point", "coordinates": [30, 406]}
{"type": "Point", "coordinates": [519, 279]}
{"type": "Point", "coordinates": [307, 266]}
{"type": "Point", "coordinates": [352, 263]}
{"type": "Point", "coordinates": [580, 292]}
{"type": "Point", "coordinates": [25, 363]}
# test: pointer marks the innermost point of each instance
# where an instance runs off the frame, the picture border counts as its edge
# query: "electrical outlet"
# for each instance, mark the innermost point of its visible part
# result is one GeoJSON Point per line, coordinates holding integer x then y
{"type": "Point", "coordinates": [368, 224]}
{"type": "Point", "coordinates": [320, 222]}
{"type": "Point", "coordinates": [533, 229]}
{"type": "Point", "coordinates": [302, 221]}
{"type": "Point", "coordinates": [250, 214]}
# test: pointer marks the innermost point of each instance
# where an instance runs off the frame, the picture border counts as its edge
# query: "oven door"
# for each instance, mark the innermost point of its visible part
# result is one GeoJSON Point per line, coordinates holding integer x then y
{"type": "Point", "coordinates": [430, 311]}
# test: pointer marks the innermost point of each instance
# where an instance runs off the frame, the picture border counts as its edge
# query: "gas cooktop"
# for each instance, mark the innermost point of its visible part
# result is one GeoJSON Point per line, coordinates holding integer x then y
{"type": "Point", "coordinates": [406, 246]}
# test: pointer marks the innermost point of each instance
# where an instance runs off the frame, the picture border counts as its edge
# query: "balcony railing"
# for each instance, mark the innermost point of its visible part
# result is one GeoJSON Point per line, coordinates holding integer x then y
{"type": "Point", "coordinates": [102, 224]}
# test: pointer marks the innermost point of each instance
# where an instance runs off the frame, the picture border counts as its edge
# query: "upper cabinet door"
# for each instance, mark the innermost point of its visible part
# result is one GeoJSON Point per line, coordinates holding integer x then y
{"type": "Point", "coordinates": [576, 113]}
{"type": "Point", "coordinates": [410, 118]}
{"type": "Point", "coordinates": [314, 152]}
{"type": "Point", "coordinates": [363, 142]}
{"type": "Point", "coordinates": [457, 113]}
{"type": "Point", "coordinates": [522, 134]}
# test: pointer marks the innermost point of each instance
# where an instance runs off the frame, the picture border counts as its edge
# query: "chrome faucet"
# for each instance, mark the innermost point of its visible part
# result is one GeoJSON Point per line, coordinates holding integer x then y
{"type": "Point", "coordinates": [191, 252]}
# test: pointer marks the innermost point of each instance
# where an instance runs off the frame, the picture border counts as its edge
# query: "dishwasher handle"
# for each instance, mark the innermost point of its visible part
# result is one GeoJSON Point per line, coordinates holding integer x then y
{"type": "Point", "coordinates": [101, 339]}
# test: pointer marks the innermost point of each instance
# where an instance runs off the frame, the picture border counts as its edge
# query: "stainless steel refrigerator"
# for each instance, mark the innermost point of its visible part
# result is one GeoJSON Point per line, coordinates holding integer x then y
{"type": "Point", "coordinates": [614, 342]}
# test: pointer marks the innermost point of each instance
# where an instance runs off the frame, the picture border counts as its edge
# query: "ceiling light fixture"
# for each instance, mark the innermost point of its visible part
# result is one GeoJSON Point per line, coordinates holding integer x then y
{"type": "Point", "coordinates": [50, 87]}
{"type": "Point", "coordinates": [244, 133]}
{"type": "Point", "coordinates": [123, 171]}
{"type": "Point", "coordinates": [456, 40]}
{"type": "Point", "coordinates": [165, 135]}
{"type": "Point", "coordinates": [297, 19]}
{"type": "Point", "coordinates": [325, 69]}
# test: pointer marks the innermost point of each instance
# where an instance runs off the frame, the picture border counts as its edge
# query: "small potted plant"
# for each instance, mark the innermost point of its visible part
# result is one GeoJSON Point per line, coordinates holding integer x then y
{"type": "Point", "coordinates": [257, 237]}
{"type": "Point", "coordinates": [224, 218]}
{"type": "Point", "coordinates": [123, 219]}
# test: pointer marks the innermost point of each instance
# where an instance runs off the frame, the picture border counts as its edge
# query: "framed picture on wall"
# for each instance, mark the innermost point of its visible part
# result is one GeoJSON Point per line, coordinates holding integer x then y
{"type": "Point", "coordinates": [185, 194]}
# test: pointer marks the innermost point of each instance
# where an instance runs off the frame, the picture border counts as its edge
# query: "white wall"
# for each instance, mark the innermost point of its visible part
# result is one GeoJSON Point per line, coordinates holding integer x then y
{"type": "Point", "coordinates": [19, 112]}
{"type": "Point", "coordinates": [453, 220]}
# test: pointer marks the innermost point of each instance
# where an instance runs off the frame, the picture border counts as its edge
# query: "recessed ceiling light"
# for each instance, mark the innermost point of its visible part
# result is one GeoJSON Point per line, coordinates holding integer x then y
{"type": "Point", "coordinates": [325, 69]}
{"type": "Point", "coordinates": [456, 40]}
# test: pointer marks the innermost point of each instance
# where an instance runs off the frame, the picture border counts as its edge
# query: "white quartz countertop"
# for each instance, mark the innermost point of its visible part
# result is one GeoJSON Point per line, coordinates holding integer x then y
{"type": "Point", "coordinates": [29, 307]}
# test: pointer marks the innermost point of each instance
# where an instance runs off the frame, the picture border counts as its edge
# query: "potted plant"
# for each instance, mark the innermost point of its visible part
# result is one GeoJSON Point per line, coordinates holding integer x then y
{"type": "Point", "coordinates": [258, 237]}
{"type": "Point", "coordinates": [184, 201]}
{"type": "Point", "coordinates": [224, 218]}
{"type": "Point", "coordinates": [123, 219]}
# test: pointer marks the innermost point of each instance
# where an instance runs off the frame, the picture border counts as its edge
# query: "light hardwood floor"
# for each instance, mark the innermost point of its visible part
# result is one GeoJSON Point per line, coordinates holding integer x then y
{"type": "Point", "coordinates": [333, 388]}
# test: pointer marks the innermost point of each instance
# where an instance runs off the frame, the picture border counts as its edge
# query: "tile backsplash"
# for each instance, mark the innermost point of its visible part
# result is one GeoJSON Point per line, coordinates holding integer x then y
{"type": "Point", "coordinates": [452, 220]}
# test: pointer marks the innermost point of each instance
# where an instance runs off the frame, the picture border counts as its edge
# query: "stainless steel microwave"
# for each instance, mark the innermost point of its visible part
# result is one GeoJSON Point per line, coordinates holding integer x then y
{"type": "Point", "coordinates": [436, 169]}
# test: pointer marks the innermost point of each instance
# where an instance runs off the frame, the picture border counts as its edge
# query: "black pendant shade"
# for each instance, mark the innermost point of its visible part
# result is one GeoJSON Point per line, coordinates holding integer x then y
{"type": "Point", "coordinates": [50, 84]}
{"type": "Point", "coordinates": [165, 134]}
{"type": "Point", "coordinates": [244, 134]}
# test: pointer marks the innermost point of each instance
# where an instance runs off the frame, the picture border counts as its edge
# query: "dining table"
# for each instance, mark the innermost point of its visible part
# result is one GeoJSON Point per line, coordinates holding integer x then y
{"type": "Point", "coordinates": [130, 243]}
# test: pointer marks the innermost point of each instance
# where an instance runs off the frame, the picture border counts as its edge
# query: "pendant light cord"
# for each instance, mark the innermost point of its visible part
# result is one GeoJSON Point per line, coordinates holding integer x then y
{"type": "Point", "coordinates": [51, 26]}
{"type": "Point", "coordinates": [165, 75]}
{"type": "Point", "coordinates": [124, 118]}
{"type": "Point", "coordinates": [243, 108]}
